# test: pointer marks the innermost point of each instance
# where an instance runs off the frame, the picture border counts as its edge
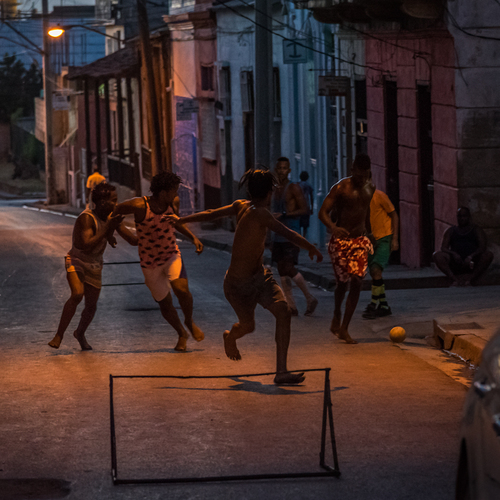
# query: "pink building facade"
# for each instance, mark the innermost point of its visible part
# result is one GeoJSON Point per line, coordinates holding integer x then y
{"type": "Point", "coordinates": [412, 101]}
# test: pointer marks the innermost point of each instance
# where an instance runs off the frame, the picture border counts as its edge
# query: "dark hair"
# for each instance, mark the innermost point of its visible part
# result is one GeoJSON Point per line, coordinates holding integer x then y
{"type": "Point", "coordinates": [283, 158]}
{"type": "Point", "coordinates": [362, 162]}
{"type": "Point", "coordinates": [304, 176]}
{"type": "Point", "coordinates": [259, 183]}
{"type": "Point", "coordinates": [164, 181]}
{"type": "Point", "coordinates": [102, 192]}
{"type": "Point", "coordinates": [464, 208]}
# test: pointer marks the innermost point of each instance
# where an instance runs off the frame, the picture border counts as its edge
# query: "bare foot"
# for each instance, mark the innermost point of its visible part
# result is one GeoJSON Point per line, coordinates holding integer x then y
{"type": "Point", "coordinates": [344, 335]}
{"type": "Point", "coordinates": [335, 326]}
{"type": "Point", "coordinates": [55, 342]}
{"type": "Point", "coordinates": [230, 346]}
{"type": "Point", "coordinates": [197, 334]}
{"type": "Point", "coordinates": [311, 306]}
{"type": "Point", "coordinates": [83, 342]}
{"type": "Point", "coordinates": [289, 378]}
{"type": "Point", "coordinates": [181, 344]}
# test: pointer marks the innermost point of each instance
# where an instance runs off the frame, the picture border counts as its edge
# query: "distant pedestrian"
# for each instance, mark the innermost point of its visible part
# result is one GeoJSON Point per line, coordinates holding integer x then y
{"type": "Point", "coordinates": [463, 251]}
{"type": "Point", "coordinates": [93, 229]}
{"type": "Point", "coordinates": [248, 282]}
{"type": "Point", "coordinates": [160, 257]}
{"type": "Point", "coordinates": [350, 244]}
{"type": "Point", "coordinates": [288, 205]}
{"type": "Point", "coordinates": [385, 228]}
{"type": "Point", "coordinates": [308, 195]}
{"type": "Point", "coordinates": [92, 181]}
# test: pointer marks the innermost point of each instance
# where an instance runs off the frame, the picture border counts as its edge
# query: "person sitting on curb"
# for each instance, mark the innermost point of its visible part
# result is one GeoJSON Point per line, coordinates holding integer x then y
{"type": "Point", "coordinates": [385, 227]}
{"type": "Point", "coordinates": [463, 251]}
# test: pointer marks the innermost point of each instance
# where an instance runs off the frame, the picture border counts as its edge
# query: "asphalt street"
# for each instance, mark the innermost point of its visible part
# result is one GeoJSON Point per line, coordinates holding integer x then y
{"type": "Point", "coordinates": [396, 408]}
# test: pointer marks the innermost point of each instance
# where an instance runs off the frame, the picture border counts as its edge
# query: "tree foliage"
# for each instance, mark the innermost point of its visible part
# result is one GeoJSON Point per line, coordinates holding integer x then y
{"type": "Point", "coordinates": [18, 87]}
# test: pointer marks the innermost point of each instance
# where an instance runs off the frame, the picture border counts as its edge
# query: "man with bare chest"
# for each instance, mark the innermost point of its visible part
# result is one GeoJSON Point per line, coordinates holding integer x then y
{"type": "Point", "coordinates": [288, 206]}
{"type": "Point", "coordinates": [247, 282]}
{"type": "Point", "coordinates": [349, 202]}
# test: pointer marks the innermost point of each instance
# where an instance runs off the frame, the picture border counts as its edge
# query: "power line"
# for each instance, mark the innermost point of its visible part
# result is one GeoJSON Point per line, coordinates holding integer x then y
{"type": "Point", "coordinates": [219, 2]}
{"type": "Point", "coordinates": [455, 23]}
{"type": "Point", "coordinates": [345, 26]}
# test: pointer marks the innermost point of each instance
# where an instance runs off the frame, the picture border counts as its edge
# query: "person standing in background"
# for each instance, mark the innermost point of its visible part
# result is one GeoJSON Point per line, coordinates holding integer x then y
{"type": "Point", "coordinates": [385, 228]}
{"type": "Point", "coordinates": [93, 180]}
{"type": "Point", "coordinates": [288, 205]}
{"type": "Point", "coordinates": [308, 195]}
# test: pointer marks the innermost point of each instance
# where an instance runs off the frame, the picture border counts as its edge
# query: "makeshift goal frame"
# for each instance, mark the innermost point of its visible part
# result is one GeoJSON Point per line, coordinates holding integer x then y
{"type": "Point", "coordinates": [328, 471]}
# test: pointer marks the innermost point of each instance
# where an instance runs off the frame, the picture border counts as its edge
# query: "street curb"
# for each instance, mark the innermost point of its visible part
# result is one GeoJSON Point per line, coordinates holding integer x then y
{"type": "Point", "coordinates": [463, 343]}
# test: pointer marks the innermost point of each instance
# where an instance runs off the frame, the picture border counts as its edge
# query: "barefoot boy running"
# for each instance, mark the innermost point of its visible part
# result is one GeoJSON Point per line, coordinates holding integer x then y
{"type": "Point", "coordinates": [161, 261]}
{"type": "Point", "coordinates": [349, 245]}
{"type": "Point", "coordinates": [247, 282]}
{"type": "Point", "coordinates": [93, 229]}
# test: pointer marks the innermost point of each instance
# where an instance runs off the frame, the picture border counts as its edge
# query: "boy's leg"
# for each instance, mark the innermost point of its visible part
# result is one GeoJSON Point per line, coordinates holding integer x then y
{"type": "Point", "coordinates": [91, 297]}
{"type": "Point", "coordinates": [238, 330]}
{"type": "Point", "coordinates": [77, 290]}
{"type": "Point", "coordinates": [350, 306]}
{"type": "Point", "coordinates": [283, 320]}
{"type": "Point", "coordinates": [170, 314]}
{"type": "Point", "coordinates": [181, 289]}
{"type": "Point", "coordinates": [340, 291]}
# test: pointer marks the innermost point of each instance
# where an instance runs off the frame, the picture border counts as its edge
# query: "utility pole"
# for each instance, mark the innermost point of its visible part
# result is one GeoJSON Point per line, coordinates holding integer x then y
{"type": "Point", "coordinates": [152, 107]}
{"type": "Point", "coordinates": [263, 81]}
{"type": "Point", "coordinates": [47, 98]}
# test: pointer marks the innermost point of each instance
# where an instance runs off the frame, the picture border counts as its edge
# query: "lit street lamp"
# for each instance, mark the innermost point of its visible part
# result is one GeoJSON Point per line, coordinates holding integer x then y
{"type": "Point", "coordinates": [57, 31]}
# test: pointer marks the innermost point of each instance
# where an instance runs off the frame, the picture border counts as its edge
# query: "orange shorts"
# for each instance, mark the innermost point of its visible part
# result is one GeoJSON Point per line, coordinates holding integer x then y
{"type": "Point", "coordinates": [349, 256]}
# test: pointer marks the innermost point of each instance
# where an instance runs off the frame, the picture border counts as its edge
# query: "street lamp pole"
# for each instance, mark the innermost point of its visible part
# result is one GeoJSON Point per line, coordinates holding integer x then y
{"type": "Point", "coordinates": [47, 98]}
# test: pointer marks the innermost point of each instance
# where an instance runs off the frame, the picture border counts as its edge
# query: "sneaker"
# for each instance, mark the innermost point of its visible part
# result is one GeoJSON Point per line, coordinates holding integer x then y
{"type": "Point", "coordinates": [294, 311]}
{"type": "Point", "coordinates": [311, 307]}
{"type": "Point", "coordinates": [370, 311]}
{"type": "Point", "coordinates": [383, 311]}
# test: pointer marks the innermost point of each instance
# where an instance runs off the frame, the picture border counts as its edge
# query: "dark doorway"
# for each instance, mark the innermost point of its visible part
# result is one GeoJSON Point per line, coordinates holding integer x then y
{"type": "Point", "coordinates": [360, 106]}
{"type": "Point", "coordinates": [426, 166]}
{"type": "Point", "coordinates": [391, 150]}
{"type": "Point", "coordinates": [249, 131]}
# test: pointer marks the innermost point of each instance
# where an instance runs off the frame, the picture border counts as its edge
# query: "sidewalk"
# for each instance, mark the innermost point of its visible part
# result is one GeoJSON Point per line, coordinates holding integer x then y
{"type": "Point", "coordinates": [464, 335]}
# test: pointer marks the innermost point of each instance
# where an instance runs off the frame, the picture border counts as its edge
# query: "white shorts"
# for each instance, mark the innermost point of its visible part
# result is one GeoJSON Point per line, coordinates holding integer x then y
{"type": "Point", "coordinates": [158, 278]}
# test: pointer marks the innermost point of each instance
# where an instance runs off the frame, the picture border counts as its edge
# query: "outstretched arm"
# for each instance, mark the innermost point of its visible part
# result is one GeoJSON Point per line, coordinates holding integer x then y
{"type": "Point", "coordinates": [295, 238]}
{"type": "Point", "coordinates": [209, 215]}
{"type": "Point", "coordinates": [186, 232]}
{"type": "Point", "coordinates": [129, 236]}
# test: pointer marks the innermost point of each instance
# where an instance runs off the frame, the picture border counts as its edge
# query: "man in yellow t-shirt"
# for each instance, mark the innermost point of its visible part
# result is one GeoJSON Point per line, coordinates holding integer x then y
{"type": "Point", "coordinates": [92, 181]}
{"type": "Point", "coordinates": [385, 227]}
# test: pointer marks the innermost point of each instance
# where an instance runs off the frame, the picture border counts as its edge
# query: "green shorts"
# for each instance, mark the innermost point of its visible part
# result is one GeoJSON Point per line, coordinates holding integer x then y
{"type": "Point", "coordinates": [381, 252]}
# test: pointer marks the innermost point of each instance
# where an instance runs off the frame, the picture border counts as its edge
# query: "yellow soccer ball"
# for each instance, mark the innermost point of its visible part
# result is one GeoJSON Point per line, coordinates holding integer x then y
{"type": "Point", "coordinates": [397, 334]}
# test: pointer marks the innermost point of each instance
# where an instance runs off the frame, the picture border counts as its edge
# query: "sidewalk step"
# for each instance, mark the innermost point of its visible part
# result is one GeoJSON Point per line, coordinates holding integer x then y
{"type": "Point", "coordinates": [461, 339]}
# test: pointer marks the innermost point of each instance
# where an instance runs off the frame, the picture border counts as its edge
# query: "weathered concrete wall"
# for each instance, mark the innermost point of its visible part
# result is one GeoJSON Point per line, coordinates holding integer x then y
{"type": "Point", "coordinates": [477, 79]}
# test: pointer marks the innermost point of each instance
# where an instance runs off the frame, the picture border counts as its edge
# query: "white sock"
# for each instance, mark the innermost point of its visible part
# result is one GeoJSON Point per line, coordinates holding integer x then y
{"type": "Point", "coordinates": [302, 284]}
{"type": "Point", "coordinates": [286, 285]}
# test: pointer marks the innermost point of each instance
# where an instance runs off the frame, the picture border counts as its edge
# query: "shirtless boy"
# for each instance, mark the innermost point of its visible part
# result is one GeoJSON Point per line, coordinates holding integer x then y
{"type": "Point", "coordinates": [93, 228]}
{"type": "Point", "coordinates": [349, 245]}
{"type": "Point", "coordinates": [289, 205]}
{"type": "Point", "coordinates": [247, 282]}
{"type": "Point", "coordinates": [160, 257]}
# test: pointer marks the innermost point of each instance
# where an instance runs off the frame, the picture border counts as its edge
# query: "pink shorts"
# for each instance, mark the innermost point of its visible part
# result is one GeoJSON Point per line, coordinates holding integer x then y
{"type": "Point", "coordinates": [349, 256]}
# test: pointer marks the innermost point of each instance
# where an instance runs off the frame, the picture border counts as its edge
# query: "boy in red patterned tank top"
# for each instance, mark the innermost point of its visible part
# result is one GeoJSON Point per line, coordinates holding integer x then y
{"type": "Point", "coordinates": [159, 254]}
